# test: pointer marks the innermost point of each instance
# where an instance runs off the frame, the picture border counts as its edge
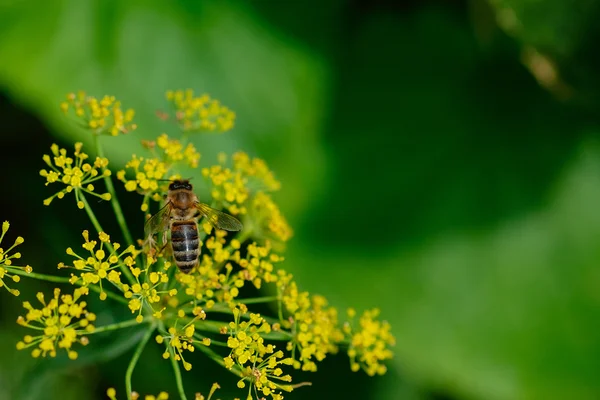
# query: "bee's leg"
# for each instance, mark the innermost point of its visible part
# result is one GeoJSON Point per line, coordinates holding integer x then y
{"type": "Point", "coordinates": [150, 241]}
{"type": "Point", "coordinates": [149, 244]}
{"type": "Point", "coordinates": [165, 244]}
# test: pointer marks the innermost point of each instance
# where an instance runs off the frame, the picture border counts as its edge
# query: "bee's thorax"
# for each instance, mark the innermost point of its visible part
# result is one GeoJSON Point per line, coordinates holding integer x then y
{"type": "Point", "coordinates": [182, 199]}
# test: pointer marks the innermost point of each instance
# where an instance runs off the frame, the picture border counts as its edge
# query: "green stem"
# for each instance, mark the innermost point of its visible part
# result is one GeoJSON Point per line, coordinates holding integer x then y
{"type": "Point", "coordinates": [210, 326]}
{"type": "Point", "coordinates": [113, 197]}
{"type": "Point", "coordinates": [255, 300]}
{"type": "Point", "coordinates": [176, 370]}
{"type": "Point", "coordinates": [99, 229]}
{"type": "Point", "coordinates": [43, 277]}
{"type": "Point", "coordinates": [215, 327]}
{"type": "Point", "coordinates": [217, 358]}
{"type": "Point", "coordinates": [178, 379]}
{"type": "Point", "coordinates": [63, 279]}
{"type": "Point", "coordinates": [114, 327]}
{"type": "Point", "coordinates": [216, 342]}
{"type": "Point", "coordinates": [279, 304]}
{"type": "Point", "coordinates": [134, 359]}
{"type": "Point", "coordinates": [93, 218]}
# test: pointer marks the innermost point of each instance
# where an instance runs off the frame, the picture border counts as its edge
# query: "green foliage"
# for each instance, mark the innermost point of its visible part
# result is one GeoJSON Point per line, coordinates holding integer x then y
{"type": "Point", "coordinates": [424, 173]}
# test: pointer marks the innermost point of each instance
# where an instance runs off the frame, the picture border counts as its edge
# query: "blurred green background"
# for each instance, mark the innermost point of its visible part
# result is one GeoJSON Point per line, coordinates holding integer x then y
{"type": "Point", "coordinates": [439, 160]}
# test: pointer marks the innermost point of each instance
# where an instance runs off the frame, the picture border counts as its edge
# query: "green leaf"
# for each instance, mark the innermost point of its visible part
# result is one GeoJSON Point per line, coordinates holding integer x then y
{"type": "Point", "coordinates": [466, 209]}
{"type": "Point", "coordinates": [23, 377]}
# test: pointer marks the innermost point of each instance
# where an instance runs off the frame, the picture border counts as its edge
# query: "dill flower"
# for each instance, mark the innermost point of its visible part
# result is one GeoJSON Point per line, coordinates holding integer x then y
{"type": "Point", "coordinates": [198, 114]}
{"type": "Point", "coordinates": [146, 173]}
{"type": "Point", "coordinates": [369, 343]}
{"type": "Point", "coordinates": [244, 339]}
{"type": "Point", "coordinates": [233, 185]}
{"type": "Point", "coordinates": [215, 386]}
{"type": "Point", "coordinates": [259, 362]}
{"type": "Point", "coordinates": [112, 395]}
{"type": "Point", "coordinates": [243, 188]}
{"type": "Point", "coordinates": [257, 266]}
{"type": "Point", "coordinates": [104, 116]}
{"type": "Point", "coordinates": [269, 219]}
{"type": "Point", "coordinates": [179, 340]}
{"type": "Point", "coordinates": [146, 291]}
{"type": "Point", "coordinates": [74, 172]}
{"type": "Point", "coordinates": [257, 171]}
{"type": "Point", "coordinates": [266, 375]}
{"type": "Point", "coordinates": [172, 306]}
{"type": "Point", "coordinates": [99, 265]}
{"type": "Point", "coordinates": [208, 285]}
{"type": "Point", "coordinates": [216, 280]}
{"type": "Point", "coordinates": [61, 322]}
{"type": "Point", "coordinates": [173, 150]}
{"type": "Point", "coordinates": [314, 324]}
{"type": "Point", "coordinates": [7, 268]}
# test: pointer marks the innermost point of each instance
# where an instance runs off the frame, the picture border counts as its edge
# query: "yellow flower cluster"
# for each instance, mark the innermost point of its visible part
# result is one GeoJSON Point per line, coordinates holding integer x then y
{"type": "Point", "coordinates": [242, 189]}
{"type": "Point", "coordinates": [171, 305]}
{"type": "Point", "coordinates": [257, 172]}
{"type": "Point", "coordinates": [200, 114]}
{"type": "Point", "coordinates": [150, 175]}
{"type": "Point", "coordinates": [104, 116]}
{"type": "Point", "coordinates": [7, 268]}
{"type": "Point", "coordinates": [257, 264]}
{"type": "Point", "coordinates": [74, 172]}
{"type": "Point", "coordinates": [147, 291]}
{"type": "Point", "coordinates": [215, 279]}
{"type": "Point", "coordinates": [99, 265]}
{"type": "Point", "coordinates": [174, 151]}
{"type": "Point", "coordinates": [184, 339]}
{"type": "Point", "coordinates": [315, 325]}
{"type": "Point", "coordinates": [259, 362]}
{"type": "Point", "coordinates": [209, 284]}
{"type": "Point", "coordinates": [369, 344]}
{"type": "Point", "coordinates": [112, 395]}
{"type": "Point", "coordinates": [269, 219]}
{"type": "Point", "coordinates": [61, 322]}
{"type": "Point", "coordinates": [267, 376]}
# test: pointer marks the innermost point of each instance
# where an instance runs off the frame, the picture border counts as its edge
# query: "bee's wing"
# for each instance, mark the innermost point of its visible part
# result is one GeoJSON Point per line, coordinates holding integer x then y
{"type": "Point", "coordinates": [219, 219]}
{"type": "Point", "coordinates": [159, 221]}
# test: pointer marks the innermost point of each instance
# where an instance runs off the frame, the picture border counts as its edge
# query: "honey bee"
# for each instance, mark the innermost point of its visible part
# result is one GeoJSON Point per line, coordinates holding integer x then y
{"type": "Point", "coordinates": [180, 215]}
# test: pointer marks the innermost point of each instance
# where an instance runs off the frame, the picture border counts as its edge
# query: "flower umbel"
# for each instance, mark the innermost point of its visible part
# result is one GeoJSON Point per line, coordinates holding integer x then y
{"type": "Point", "coordinates": [62, 321]}
{"type": "Point", "coordinates": [112, 395]}
{"type": "Point", "coordinates": [369, 343]}
{"type": "Point", "coordinates": [74, 172]}
{"type": "Point", "coordinates": [258, 362]}
{"type": "Point", "coordinates": [7, 268]}
{"type": "Point", "coordinates": [99, 265]}
{"type": "Point", "coordinates": [179, 340]}
{"type": "Point", "coordinates": [148, 172]}
{"type": "Point", "coordinates": [211, 307]}
{"type": "Point", "coordinates": [197, 114]}
{"type": "Point", "coordinates": [243, 188]}
{"type": "Point", "coordinates": [146, 291]}
{"type": "Point", "coordinates": [315, 325]}
{"type": "Point", "coordinates": [104, 116]}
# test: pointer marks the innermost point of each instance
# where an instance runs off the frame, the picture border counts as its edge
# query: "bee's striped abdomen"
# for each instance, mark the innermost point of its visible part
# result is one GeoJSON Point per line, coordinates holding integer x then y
{"type": "Point", "coordinates": [186, 249]}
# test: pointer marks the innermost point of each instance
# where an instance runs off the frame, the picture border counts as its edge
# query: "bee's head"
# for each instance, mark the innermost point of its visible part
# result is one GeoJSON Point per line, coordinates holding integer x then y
{"type": "Point", "coordinates": [180, 184]}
